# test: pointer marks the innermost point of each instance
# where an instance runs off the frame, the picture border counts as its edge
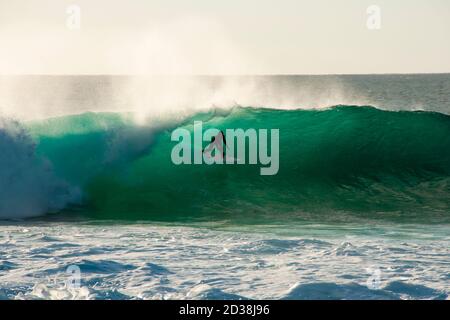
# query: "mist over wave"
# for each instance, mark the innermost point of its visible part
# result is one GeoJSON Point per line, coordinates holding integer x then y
{"type": "Point", "coordinates": [155, 98]}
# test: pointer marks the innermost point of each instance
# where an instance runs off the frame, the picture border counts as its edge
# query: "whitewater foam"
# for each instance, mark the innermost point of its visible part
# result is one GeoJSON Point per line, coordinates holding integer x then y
{"type": "Point", "coordinates": [151, 261]}
{"type": "Point", "coordinates": [28, 186]}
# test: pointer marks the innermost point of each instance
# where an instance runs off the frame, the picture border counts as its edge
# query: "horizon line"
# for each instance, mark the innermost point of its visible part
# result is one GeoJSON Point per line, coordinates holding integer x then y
{"type": "Point", "coordinates": [216, 75]}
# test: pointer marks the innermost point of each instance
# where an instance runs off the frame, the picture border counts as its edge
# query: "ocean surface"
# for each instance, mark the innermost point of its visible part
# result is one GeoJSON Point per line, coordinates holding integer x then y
{"type": "Point", "coordinates": [92, 206]}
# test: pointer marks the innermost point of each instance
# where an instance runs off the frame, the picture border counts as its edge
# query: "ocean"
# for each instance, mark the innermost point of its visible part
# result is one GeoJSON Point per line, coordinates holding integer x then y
{"type": "Point", "coordinates": [93, 207]}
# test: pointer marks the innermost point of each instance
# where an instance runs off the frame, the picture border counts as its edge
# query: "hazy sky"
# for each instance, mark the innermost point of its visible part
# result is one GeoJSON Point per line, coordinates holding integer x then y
{"type": "Point", "coordinates": [224, 37]}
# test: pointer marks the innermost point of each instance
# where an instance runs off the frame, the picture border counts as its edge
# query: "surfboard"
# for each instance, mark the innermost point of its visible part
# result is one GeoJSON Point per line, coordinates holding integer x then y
{"type": "Point", "coordinates": [226, 159]}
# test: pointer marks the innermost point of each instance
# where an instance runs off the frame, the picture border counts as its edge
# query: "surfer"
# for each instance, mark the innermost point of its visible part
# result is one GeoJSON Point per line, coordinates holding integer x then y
{"type": "Point", "coordinates": [217, 141]}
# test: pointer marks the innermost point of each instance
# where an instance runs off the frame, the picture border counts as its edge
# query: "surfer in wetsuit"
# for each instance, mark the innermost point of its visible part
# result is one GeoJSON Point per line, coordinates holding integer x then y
{"type": "Point", "coordinates": [217, 142]}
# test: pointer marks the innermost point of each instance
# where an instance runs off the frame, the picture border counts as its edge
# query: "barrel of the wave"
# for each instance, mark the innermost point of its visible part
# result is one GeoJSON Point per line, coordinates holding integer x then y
{"type": "Point", "coordinates": [357, 160]}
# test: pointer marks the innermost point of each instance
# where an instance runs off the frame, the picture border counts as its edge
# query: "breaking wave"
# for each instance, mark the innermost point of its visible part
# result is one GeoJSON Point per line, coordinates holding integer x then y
{"type": "Point", "coordinates": [342, 161]}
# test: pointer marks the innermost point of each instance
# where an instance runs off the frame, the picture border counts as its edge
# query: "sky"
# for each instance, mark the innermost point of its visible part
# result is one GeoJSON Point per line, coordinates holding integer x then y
{"type": "Point", "coordinates": [223, 37]}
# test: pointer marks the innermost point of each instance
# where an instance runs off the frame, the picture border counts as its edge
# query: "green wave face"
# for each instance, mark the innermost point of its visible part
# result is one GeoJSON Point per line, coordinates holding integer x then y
{"type": "Point", "coordinates": [341, 163]}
